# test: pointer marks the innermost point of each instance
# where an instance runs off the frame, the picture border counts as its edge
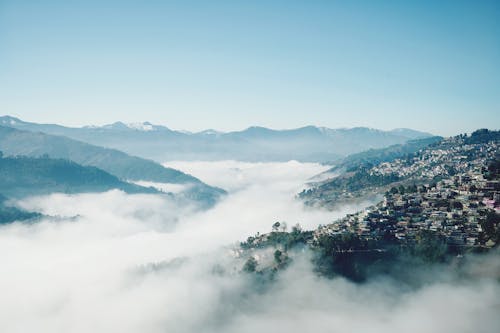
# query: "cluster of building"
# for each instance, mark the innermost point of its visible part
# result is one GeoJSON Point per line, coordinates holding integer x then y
{"type": "Point", "coordinates": [451, 156]}
{"type": "Point", "coordinates": [454, 206]}
{"type": "Point", "coordinates": [442, 160]}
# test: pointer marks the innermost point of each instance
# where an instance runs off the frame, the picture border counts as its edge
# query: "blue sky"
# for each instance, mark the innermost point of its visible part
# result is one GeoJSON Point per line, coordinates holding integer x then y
{"type": "Point", "coordinates": [428, 65]}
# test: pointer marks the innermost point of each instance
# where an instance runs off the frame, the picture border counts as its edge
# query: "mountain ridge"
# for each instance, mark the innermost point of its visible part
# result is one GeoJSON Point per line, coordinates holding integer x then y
{"type": "Point", "coordinates": [253, 144]}
{"type": "Point", "coordinates": [15, 142]}
{"type": "Point", "coordinates": [26, 176]}
{"type": "Point", "coordinates": [8, 120]}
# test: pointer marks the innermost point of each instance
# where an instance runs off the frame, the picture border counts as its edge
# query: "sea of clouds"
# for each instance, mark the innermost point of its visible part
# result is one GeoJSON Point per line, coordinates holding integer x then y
{"type": "Point", "coordinates": [114, 262]}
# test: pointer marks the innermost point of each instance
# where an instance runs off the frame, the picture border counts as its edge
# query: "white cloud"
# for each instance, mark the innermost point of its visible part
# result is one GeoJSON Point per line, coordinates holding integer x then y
{"type": "Point", "coordinates": [164, 187]}
{"type": "Point", "coordinates": [114, 262]}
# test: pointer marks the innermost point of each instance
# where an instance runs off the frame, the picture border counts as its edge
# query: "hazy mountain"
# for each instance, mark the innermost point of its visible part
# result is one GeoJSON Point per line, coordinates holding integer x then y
{"type": "Point", "coordinates": [376, 156]}
{"type": "Point", "coordinates": [409, 133]}
{"type": "Point", "coordinates": [308, 144]}
{"type": "Point", "coordinates": [24, 176]}
{"type": "Point", "coordinates": [34, 144]}
{"type": "Point", "coordinates": [10, 214]}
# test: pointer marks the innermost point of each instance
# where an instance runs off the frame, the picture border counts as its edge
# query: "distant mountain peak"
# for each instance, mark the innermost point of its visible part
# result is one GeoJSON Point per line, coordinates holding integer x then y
{"type": "Point", "coordinates": [258, 128]}
{"type": "Point", "coordinates": [9, 120]}
{"type": "Point", "coordinates": [145, 126]}
{"type": "Point", "coordinates": [256, 143]}
{"type": "Point", "coordinates": [210, 132]}
{"type": "Point", "coordinates": [137, 126]}
{"type": "Point", "coordinates": [364, 129]}
{"type": "Point", "coordinates": [118, 125]}
{"type": "Point", "coordinates": [409, 133]}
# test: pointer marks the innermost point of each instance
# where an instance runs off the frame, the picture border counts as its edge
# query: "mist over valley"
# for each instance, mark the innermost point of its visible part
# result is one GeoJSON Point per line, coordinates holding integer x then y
{"type": "Point", "coordinates": [249, 166]}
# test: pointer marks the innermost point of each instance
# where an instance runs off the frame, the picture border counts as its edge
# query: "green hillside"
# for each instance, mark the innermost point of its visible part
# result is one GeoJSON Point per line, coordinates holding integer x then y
{"type": "Point", "coordinates": [15, 142]}
{"type": "Point", "coordinates": [23, 176]}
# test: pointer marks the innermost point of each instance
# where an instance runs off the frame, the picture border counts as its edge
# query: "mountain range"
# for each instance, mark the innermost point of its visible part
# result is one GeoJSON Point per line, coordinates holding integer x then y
{"type": "Point", "coordinates": [159, 143]}
{"type": "Point", "coordinates": [14, 142]}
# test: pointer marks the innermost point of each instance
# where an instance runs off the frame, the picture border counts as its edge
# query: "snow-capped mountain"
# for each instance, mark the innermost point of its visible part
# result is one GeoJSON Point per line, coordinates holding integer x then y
{"type": "Point", "coordinates": [256, 143]}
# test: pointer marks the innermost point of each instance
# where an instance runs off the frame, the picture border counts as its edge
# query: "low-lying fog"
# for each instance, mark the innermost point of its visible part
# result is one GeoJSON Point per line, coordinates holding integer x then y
{"type": "Point", "coordinates": [114, 262]}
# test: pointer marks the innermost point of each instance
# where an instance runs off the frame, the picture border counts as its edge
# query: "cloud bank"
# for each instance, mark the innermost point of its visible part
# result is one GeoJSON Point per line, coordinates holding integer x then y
{"type": "Point", "coordinates": [114, 262]}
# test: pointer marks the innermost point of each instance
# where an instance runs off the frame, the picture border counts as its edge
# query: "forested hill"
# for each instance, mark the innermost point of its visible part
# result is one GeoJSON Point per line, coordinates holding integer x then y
{"type": "Point", "coordinates": [441, 205]}
{"type": "Point", "coordinates": [23, 176]}
{"type": "Point", "coordinates": [15, 142]}
{"type": "Point", "coordinates": [376, 156]}
{"type": "Point", "coordinates": [10, 214]}
{"type": "Point", "coordinates": [438, 160]}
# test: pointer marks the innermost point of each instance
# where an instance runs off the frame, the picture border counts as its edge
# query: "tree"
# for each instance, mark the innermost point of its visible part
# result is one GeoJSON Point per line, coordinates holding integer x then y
{"type": "Point", "coordinates": [277, 256]}
{"type": "Point", "coordinates": [493, 170]}
{"type": "Point", "coordinates": [250, 265]}
{"type": "Point", "coordinates": [430, 246]}
{"type": "Point", "coordinates": [401, 189]}
{"type": "Point", "coordinates": [296, 229]}
{"type": "Point", "coordinates": [276, 226]}
{"type": "Point", "coordinates": [491, 226]}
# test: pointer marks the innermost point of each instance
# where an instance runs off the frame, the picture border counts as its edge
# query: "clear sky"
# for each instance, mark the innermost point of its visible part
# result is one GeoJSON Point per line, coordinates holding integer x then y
{"type": "Point", "coordinates": [428, 65]}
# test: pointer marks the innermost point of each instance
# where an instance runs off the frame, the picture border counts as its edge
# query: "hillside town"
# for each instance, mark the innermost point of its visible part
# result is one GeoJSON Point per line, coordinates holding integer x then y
{"type": "Point", "coordinates": [458, 207]}
{"type": "Point", "coordinates": [455, 208]}
{"type": "Point", "coordinates": [449, 157]}
{"type": "Point", "coordinates": [450, 191]}
{"type": "Point", "coordinates": [439, 161]}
